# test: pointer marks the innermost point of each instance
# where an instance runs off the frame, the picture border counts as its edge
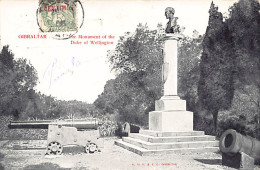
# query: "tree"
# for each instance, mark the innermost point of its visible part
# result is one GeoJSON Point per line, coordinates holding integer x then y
{"type": "Point", "coordinates": [7, 74]}
{"type": "Point", "coordinates": [216, 84]}
{"type": "Point", "coordinates": [190, 50]}
{"type": "Point", "coordinates": [18, 97]}
{"type": "Point", "coordinates": [107, 98]}
{"type": "Point", "coordinates": [244, 23]}
{"type": "Point", "coordinates": [137, 60]}
{"type": "Point", "coordinates": [139, 51]}
{"type": "Point", "coordinates": [17, 77]}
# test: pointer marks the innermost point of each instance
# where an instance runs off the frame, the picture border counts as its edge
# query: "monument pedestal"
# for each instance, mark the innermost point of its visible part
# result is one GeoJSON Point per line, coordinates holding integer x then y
{"type": "Point", "coordinates": [171, 121]}
{"type": "Point", "coordinates": [170, 115]}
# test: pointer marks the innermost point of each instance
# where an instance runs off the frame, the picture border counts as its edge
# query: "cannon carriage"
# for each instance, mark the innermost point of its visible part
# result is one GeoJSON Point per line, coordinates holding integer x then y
{"type": "Point", "coordinates": [66, 132]}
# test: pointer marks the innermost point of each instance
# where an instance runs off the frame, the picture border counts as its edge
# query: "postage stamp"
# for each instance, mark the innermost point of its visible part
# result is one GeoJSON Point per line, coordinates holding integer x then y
{"type": "Point", "coordinates": [62, 18]}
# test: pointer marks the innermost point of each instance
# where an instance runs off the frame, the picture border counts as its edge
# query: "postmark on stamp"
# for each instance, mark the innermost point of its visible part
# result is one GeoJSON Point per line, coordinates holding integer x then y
{"type": "Point", "coordinates": [61, 18]}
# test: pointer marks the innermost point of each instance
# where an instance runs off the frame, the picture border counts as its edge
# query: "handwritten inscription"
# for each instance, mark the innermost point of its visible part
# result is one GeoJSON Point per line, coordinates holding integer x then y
{"type": "Point", "coordinates": [56, 69]}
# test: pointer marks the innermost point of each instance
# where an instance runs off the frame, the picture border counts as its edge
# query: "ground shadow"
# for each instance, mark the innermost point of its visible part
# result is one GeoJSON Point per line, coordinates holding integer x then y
{"type": "Point", "coordinates": [1, 167]}
{"type": "Point", "coordinates": [44, 166]}
{"type": "Point", "coordinates": [210, 161]}
{"type": "Point", "coordinates": [1, 158]}
{"type": "Point", "coordinates": [51, 166]}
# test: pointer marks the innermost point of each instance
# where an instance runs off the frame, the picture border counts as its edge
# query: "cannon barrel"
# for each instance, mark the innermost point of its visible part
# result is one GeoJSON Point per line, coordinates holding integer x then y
{"type": "Point", "coordinates": [232, 142]}
{"type": "Point", "coordinates": [43, 124]}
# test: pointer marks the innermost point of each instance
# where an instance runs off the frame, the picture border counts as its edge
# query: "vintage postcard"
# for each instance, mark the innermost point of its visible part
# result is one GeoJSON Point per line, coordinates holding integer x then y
{"type": "Point", "coordinates": [77, 76]}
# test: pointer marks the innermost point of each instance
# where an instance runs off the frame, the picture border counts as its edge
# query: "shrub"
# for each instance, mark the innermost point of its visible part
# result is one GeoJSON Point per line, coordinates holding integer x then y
{"type": "Point", "coordinates": [240, 123]}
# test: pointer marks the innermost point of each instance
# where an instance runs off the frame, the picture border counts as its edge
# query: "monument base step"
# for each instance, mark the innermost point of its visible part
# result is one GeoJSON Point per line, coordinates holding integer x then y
{"type": "Point", "coordinates": [171, 139]}
{"type": "Point", "coordinates": [148, 142]}
{"type": "Point", "coordinates": [172, 145]}
{"type": "Point", "coordinates": [169, 134]}
{"type": "Point", "coordinates": [145, 152]}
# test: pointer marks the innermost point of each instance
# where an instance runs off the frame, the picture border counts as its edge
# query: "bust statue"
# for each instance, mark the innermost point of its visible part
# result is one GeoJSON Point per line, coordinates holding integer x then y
{"type": "Point", "coordinates": [172, 26]}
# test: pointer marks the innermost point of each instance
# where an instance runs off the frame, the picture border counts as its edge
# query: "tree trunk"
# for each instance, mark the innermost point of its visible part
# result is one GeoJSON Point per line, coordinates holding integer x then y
{"type": "Point", "coordinates": [215, 120]}
{"type": "Point", "coordinates": [258, 112]}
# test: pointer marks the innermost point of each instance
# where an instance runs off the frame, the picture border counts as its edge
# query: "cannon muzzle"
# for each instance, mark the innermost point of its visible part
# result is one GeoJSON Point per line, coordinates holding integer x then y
{"type": "Point", "coordinates": [232, 142]}
{"type": "Point", "coordinates": [43, 124]}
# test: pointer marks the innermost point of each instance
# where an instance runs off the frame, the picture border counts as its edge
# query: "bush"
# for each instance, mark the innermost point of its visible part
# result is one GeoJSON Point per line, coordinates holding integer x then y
{"type": "Point", "coordinates": [203, 123]}
{"type": "Point", "coordinates": [240, 123]}
{"type": "Point", "coordinates": [6, 133]}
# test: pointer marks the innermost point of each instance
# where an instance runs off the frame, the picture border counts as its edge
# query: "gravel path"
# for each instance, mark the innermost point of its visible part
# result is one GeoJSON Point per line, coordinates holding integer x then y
{"type": "Point", "coordinates": [111, 157]}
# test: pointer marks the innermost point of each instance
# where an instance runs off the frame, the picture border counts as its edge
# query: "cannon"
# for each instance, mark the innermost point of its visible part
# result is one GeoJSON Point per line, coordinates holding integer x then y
{"type": "Point", "coordinates": [239, 151]}
{"type": "Point", "coordinates": [67, 132]}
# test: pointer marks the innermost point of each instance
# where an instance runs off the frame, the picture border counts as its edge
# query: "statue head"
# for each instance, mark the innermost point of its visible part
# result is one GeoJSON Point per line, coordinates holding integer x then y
{"type": "Point", "coordinates": [172, 25]}
{"type": "Point", "coordinates": [169, 12]}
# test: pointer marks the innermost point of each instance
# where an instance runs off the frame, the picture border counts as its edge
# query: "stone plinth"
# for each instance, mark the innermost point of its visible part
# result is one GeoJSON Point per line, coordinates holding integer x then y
{"type": "Point", "coordinates": [171, 121]}
{"type": "Point", "coordinates": [239, 161]}
{"type": "Point", "coordinates": [170, 103]}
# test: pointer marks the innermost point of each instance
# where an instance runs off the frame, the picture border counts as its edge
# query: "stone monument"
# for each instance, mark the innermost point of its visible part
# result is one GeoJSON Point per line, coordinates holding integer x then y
{"type": "Point", "coordinates": [170, 111]}
{"type": "Point", "coordinates": [170, 125]}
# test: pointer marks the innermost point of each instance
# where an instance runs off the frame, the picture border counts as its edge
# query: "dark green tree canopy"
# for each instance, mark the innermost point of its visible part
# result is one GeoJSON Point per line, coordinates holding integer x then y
{"type": "Point", "coordinates": [244, 23]}
{"type": "Point", "coordinates": [136, 59]}
{"type": "Point", "coordinates": [17, 78]}
{"type": "Point", "coordinates": [216, 88]}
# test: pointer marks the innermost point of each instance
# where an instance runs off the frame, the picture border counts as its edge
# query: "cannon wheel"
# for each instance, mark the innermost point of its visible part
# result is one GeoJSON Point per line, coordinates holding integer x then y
{"type": "Point", "coordinates": [91, 148]}
{"type": "Point", "coordinates": [54, 148]}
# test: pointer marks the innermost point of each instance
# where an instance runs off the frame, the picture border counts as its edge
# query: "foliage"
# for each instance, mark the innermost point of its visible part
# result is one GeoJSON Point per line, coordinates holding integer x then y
{"type": "Point", "coordinates": [240, 123]}
{"type": "Point", "coordinates": [230, 68]}
{"type": "Point", "coordinates": [136, 60]}
{"type": "Point", "coordinates": [7, 133]}
{"type": "Point", "coordinates": [243, 115]}
{"type": "Point", "coordinates": [218, 77]}
{"type": "Point", "coordinates": [19, 100]}
{"type": "Point", "coordinates": [18, 78]}
{"type": "Point", "coordinates": [40, 106]}
{"type": "Point", "coordinates": [108, 128]}
{"type": "Point", "coordinates": [244, 23]}
{"type": "Point", "coordinates": [18, 97]}
{"type": "Point", "coordinates": [139, 51]}
{"type": "Point", "coordinates": [189, 53]}
{"type": "Point", "coordinates": [203, 122]}
{"type": "Point", "coordinates": [216, 87]}
{"type": "Point", "coordinates": [218, 73]}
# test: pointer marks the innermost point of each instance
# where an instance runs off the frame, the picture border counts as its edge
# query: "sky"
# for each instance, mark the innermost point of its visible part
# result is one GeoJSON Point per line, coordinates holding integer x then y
{"type": "Point", "coordinates": [79, 71]}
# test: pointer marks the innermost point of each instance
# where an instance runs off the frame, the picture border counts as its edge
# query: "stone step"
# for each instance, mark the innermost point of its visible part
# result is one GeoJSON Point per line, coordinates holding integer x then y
{"type": "Point", "coordinates": [144, 152]}
{"type": "Point", "coordinates": [173, 145]}
{"type": "Point", "coordinates": [153, 139]}
{"type": "Point", "coordinates": [170, 134]}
